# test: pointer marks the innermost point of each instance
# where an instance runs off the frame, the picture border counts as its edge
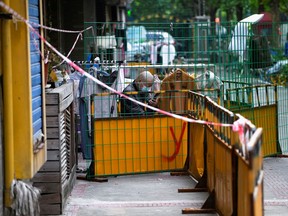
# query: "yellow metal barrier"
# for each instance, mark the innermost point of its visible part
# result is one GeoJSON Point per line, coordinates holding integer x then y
{"type": "Point", "coordinates": [230, 169]}
{"type": "Point", "coordinates": [250, 178]}
{"type": "Point", "coordinates": [196, 150]}
{"type": "Point", "coordinates": [233, 170]}
{"type": "Point", "coordinates": [262, 104]}
{"type": "Point", "coordinates": [223, 177]}
{"type": "Point", "coordinates": [137, 145]}
{"type": "Point", "coordinates": [196, 110]}
{"type": "Point", "coordinates": [269, 125]}
{"type": "Point", "coordinates": [219, 157]}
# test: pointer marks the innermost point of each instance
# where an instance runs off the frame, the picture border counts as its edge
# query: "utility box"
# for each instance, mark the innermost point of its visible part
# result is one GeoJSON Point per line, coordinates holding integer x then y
{"type": "Point", "coordinates": [201, 37]}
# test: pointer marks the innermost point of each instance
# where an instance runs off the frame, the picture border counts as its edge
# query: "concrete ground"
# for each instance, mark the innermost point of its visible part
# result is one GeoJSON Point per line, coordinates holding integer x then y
{"type": "Point", "coordinates": [157, 194]}
{"type": "Point", "coordinates": [275, 186]}
{"type": "Point", "coordinates": [145, 194]}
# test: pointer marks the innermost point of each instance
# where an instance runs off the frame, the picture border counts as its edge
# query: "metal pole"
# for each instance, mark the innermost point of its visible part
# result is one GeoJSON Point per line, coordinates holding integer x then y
{"type": "Point", "coordinates": [7, 109]}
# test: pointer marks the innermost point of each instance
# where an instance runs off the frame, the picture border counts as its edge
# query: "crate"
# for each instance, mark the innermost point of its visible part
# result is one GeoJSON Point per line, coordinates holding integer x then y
{"type": "Point", "coordinates": [57, 176]}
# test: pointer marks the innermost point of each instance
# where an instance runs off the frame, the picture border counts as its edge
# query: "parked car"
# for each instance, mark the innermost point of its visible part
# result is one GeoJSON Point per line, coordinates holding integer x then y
{"type": "Point", "coordinates": [136, 34]}
{"type": "Point", "coordinates": [164, 38]}
{"type": "Point", "coordinates": [136, 39]}
{"type": "Point", "coordinates": [160, 36]}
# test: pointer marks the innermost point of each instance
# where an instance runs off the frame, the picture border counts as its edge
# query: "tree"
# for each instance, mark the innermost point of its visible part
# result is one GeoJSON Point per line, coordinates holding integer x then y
{"type": "Point", "coordinates": [162, 10]}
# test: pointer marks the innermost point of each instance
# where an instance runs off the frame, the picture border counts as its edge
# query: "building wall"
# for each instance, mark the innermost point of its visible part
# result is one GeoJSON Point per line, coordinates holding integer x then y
{"type": "Point", "coordinates": [1, 149]}
{"type": "Point", "coordinates": [20, 159]}
{"type": "Point", "coordinates": [72, 15]}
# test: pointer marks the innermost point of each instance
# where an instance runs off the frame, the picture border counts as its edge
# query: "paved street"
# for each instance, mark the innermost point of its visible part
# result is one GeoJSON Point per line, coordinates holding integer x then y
{"type": "Point", "coordinates": [276, 186]}
{"type": "Point", "coordinates": [157, 194]}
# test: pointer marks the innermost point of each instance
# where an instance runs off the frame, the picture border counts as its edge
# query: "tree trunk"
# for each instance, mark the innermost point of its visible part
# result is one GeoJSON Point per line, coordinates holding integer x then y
{"type": "Point", "coordinates": [275, 22]}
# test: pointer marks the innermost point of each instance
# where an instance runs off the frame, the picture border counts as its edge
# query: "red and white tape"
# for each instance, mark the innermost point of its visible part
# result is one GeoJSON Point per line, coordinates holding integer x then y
{"type": "Point", "coordinates": [236, 126]}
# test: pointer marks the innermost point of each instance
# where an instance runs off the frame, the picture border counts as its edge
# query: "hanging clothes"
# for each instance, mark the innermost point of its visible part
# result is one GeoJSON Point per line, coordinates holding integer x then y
{"type": "Point", "coordinates": [168, 53]}
{"type": "Point", "coordinates": [153, 52]}
{"type": "Point", "coordinates": [103, 106]}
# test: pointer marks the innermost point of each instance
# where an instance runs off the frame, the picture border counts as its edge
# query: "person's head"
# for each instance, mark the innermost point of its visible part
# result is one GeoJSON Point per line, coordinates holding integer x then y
{"type": "Point", "coordinates": [144, 81]}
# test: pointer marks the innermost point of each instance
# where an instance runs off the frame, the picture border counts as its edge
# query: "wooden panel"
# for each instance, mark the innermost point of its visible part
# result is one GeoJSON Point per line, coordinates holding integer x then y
{"type": "Point", "coordinates": [47, 177]}
{"type": "Point", "coordinates": [51, 110]}
{"type": "Point", "coordinates": [53, 155]}
{"type": "Point", "coordinates": [52, 121]}
{"type": "Point", "coordinates": [55, 176]}
{"type": "Point", "coordinates": [58, 95]}
{"type": "Point", "coordinates": [50, 166]}
{"type": "Point", "coordinates": [65, 103]}
{"type": "Point", "coordinates": [52, 99]}
{"type": "Point", "coordinates": [53, 198]}
{"type": "Point", "coordinates": [53, 144]}
{"type": "Point", "coordinates": [53, 133]}
{"type": "Point", "coordinates": [51, 209]}
{"type": "Point", "coordinates": [68, 185]}
{"type": "Point", "coordinates": [48, 187]}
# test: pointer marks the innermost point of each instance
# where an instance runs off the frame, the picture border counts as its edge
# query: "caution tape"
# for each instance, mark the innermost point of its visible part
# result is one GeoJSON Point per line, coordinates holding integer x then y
{"type": "Point", "coordinates": [236, 126]}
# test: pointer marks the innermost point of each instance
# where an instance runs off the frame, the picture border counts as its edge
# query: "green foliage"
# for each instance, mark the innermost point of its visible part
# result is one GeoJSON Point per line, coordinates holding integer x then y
{"type": "Point", "coordinates": [281, 78]}
{"type": "Point", "coordinates": [183, 10]}
{"type": "Point", "coordinates": [283, 6]}
{"type": "Point", "coordinates": [162, 10]}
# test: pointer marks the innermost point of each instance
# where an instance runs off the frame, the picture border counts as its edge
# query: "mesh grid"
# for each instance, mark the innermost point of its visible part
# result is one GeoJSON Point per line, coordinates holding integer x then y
{"type": "Point", "coordinates": [235, 67]}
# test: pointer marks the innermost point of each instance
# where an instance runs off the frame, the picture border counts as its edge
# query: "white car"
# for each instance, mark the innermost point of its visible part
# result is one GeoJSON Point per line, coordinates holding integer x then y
{"type": "Point", "coordinates": [160, 36]}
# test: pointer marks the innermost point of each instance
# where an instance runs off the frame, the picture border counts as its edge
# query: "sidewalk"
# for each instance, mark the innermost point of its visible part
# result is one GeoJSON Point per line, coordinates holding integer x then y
{"type": "Point", "coordinates": [157, 194]}
{"type": "Point", "coordinates": [276, 186]}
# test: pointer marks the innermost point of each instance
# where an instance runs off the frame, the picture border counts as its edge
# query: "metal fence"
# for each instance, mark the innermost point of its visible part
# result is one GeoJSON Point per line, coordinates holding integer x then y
{"type": "Point", "coordinates": [241, 55]}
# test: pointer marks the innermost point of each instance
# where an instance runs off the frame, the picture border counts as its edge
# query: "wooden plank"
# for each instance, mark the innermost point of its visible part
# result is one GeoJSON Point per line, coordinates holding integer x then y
{"type": "Point", "coordinates": [52, 99]}
{"type": "Point", "coordinates": [47, 177]}
{"type": "Point", "coordinates": [66, 102]}
{"type": "Point", "coordinates": [53, 144]}
{"type": "Point", "coordinates": [68, 186]}
{"type": "Point", "coordinates": [52, 110]}
{"type": "Point", "coordinates": [52, 198]}
{"type": "Point", "coordinates": [63, 151]}
{"type": "Point", "coordinates": [63, 143]}
{"type": "Point", "coordinates": [62, 91]}
{"type": "Point", "coordinates": [62, 128]}
{"type": "Point", "coordinates": [64, 175]}
{"type": "Point", "coordinates": [64, 179]}
{"type": "Point", "coordinates": [53, 155]}
{"type": "Point", "coordinates": [66, 190]}
{"type": "Point", "coordinates": [52, 121]}
{"type": "Point", "coordinates": [47, 187]}
{"type": "Point", "coordinates": [58, 99]}
{"type": "Point", "coordinates": [64, 161]}
{"type": "Point", "coordinates": [64, 170]}
{"type": "Point", "coordinates": [51, 209]}
{"type": "Point", "coordinates": [61, 118]}
{"type": "Point", "coordinates": [63, 167]}
{"type": "Point", "coordinates": [50, 166]}
{"type": "Point", "coordinates": [52, 133]}
{"type": "Point", "coordinates": [62, 138]}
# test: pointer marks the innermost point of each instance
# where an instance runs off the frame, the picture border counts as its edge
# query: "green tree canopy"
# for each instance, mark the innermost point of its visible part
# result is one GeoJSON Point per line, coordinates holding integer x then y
{"type": "Point", "coordinates": [183, 10]}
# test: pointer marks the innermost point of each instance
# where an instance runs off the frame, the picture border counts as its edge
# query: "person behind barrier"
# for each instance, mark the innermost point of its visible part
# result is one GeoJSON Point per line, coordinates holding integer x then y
{"type": "Point", "coordinates": [140, 90]}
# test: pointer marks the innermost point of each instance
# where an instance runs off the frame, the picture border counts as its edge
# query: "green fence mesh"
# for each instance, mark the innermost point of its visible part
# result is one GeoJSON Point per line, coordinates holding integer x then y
{"type": "Point", "coordinates": [226, 61]}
